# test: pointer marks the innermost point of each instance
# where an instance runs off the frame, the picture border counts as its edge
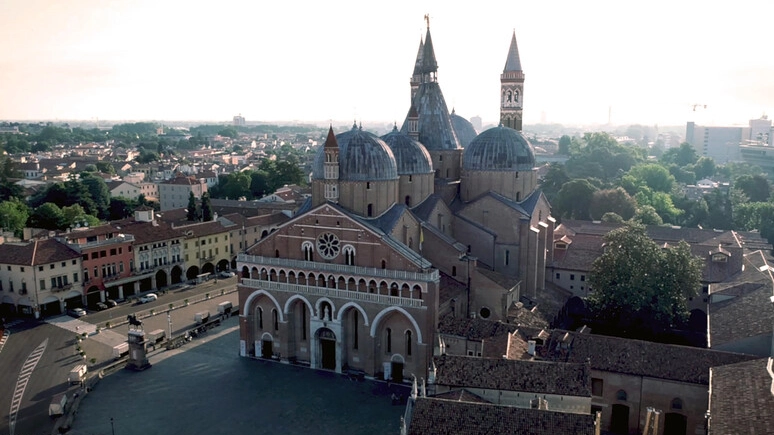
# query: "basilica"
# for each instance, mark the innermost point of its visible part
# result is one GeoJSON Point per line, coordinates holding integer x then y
{"type": "Point", "coordinates": [429, 220]}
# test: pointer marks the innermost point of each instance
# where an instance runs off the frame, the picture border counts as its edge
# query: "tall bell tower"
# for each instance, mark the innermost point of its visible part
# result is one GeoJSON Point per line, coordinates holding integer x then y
{"type": "Point", "coordinates": [512, 89]}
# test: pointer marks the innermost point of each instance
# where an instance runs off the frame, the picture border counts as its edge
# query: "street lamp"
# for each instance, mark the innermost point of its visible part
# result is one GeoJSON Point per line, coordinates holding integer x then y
{"type": "Point", "coordinates": [112, 428]}
{"type": "Point", "coordinates": [169, 322]}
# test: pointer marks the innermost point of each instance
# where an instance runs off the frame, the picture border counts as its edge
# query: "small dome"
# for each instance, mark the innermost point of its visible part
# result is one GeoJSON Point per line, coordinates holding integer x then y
{"type": "Point", "coordinates": [463, 129]}
{"type": "Point", "coordinates": [362, 157]}
{"type": "Point", "coordinates": [499, 149]}
{"type": "Point", "coordinates": [410, 156]}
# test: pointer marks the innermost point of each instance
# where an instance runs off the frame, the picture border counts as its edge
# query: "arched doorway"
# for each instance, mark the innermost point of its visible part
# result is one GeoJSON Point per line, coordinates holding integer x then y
{"type": "Point", "coordinates": [93, 296]}
{"type": "Point", "coordinates": [619, 422]}
{"type": "Point", "coordinates": [233, 263]}
{"type": "Point", "coordinates": [267, 345]}
{"type": "Point", "coordinates": [222, 265]}
{"type": "Point", "coordinates": [675, 424]}
{"type": "Point", "coordinates": [397, 363]}
{"type": "Point", "coordinates": [50, 306]}
{"type": "Point", "coordinates": [161, 279]}
{"type": "Point", "coordinates": [327, 348]}
{"type": "Point", "coordinates": [74, 300]}
{"type": "Point", "coordinates": [177, 275]}
{"type": "Point", "coordinates": [192, 272]}
{"type": "Point", "coordinates": [208, 268]}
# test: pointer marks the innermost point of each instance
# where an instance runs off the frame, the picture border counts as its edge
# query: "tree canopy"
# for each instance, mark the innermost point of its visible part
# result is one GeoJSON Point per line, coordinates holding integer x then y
{"type": "Point", "coordinates": [640, 287]}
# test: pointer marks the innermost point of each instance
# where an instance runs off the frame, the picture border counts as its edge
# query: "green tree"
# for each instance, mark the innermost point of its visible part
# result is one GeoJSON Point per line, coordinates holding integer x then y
{"type": "Point", "coordinates": [106, 167]}
{"type": "Point", "coordinates": [99, 193]}
{"type": "Point", "coordinates": [653, 175]}
{"type": "Point", "coordinates": [191, 214]}
{"type": "Point", "coordinates": [574, 199]}
{"type": "Point", "coordinates": [13, 215]}
{"type": "Point", "coordinates": [612, 218]}
{"type": "Point", "coordinates": [207, 213]}
{"type": "Point", "coordinates": [552, 182]}
{"type": "Point", "coordinates": [756, 187]}
{"type": "Point", "coordinates": [647, 215]}
{"type": "Point", "coordinates": [74, 216]}
{"type": "Point", "coordinates": [121, 208]}
{"type": "Point", "coordinates": [612, 201]}
{"type": "Point", "coordinates": [564, 145]}
{"type": "Point", "coordinates": [48, 216]}
{"type": "Point", "coordinates": [684, 155]}
{"type": "Point", "coordinates": [639, 287]}
{"type": "Point", "coordinates": [704, 167]}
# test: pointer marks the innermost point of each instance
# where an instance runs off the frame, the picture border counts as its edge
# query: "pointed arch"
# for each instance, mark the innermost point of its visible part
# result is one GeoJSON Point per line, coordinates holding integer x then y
{"type": "Point", "coordinates": [319, 303]}
{"type": "Point", "coordinates": [254, 295]}
{"type": "Point", "coordinates": [306, 302]}
{"type": "Point", "coordinates": [343, 309]}
{"type": "Point", "coordinates": [384, 312]}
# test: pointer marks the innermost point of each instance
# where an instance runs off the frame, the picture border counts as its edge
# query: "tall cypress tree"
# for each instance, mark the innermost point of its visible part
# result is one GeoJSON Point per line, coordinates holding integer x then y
{"type": "Point", "coordinates": [191, 215]}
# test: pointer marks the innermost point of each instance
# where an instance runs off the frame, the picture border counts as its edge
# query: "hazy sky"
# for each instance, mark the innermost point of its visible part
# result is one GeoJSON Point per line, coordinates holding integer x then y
{"type": "Point", "coordinates": [342, 60]}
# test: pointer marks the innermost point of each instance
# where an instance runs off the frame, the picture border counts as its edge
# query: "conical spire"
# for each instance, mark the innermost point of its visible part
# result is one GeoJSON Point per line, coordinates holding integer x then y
{"type": "Point", "coordinates": [330, 141]}
{"type": "Point", "coordinates": [418, 62]}
{"type": "Point", "coordinates": [429, 64]}
{"type": "Point", "coordinates": [513, 63]}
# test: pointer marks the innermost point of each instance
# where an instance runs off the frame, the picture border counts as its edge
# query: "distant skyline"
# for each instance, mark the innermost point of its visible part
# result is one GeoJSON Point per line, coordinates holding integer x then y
{"type": "Point", "coordinates": [644, 62]}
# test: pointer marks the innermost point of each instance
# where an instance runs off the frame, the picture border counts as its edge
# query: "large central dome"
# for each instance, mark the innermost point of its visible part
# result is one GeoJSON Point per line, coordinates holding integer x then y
{"type": "Point", "coordinates": [362, 157]}
{"type": "Point", "coordinates": [499, 149]}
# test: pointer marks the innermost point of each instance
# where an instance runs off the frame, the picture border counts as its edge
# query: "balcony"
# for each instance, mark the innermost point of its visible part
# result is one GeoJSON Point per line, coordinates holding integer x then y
{"type": "Point", "coordinates": [333, 293]}
{"type": "Point", "coordinates": [62, 288]}
{"type": "Point", "coordinates": [430, 276]}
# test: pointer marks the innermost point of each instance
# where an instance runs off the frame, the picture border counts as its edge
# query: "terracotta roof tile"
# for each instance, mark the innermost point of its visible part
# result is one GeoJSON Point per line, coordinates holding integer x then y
{"type": "Point", "coordinates": [637, 357]}
{"type": "Point", "coordinates": [741, 400]}
{"type": "Point", "coordinates": [436, 416]}
{"type": "Point", "coordinates": [569, 379]}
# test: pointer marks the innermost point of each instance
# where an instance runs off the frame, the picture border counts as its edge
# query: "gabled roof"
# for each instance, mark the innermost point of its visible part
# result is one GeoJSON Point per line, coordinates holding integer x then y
{"type": "Point", "coordinates": [423, 209]}
{"type": "Point", "coordinates": [748, 313]}
{"type": "Point", "coordinates": [741, 398]}
{"type": "Point", "coordinates": [637, 357]}
{"type": "Point", "coordinates": [544, 377]}
{"type": "Point", "coordinates": [436, 416]}
{"type": "Point", "coordinates": [461, 395]}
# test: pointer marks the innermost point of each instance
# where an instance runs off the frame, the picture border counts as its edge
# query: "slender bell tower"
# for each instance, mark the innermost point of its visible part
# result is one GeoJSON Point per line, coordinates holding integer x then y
{"type": "Point", "coordinates": [331, 167]}
{"type": "Point", "coordinates": [512, 89]}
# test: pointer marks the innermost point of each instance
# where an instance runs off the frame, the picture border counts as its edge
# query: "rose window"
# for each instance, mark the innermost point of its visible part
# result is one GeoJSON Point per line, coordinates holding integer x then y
{"type": "Point", "coordinates": [328, 245]}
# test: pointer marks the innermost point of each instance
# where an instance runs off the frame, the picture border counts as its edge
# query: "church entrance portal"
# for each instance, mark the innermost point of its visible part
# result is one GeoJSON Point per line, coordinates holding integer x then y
{"type": "Point", "coordinates": [397, 372]}
{"type": "Point", "coordinates": [267, 348]}
{"type": "Point", "coordinates": [327, 348]}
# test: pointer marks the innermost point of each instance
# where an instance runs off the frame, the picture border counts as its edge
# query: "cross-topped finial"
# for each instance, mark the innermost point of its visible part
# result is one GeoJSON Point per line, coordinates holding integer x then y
{"type": "Point", "coordinates": [427, 20]}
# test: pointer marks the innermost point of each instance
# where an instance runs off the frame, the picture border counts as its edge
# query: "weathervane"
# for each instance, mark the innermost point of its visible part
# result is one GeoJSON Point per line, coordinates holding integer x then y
{"type": "Point", "coordinates": [427, 20]}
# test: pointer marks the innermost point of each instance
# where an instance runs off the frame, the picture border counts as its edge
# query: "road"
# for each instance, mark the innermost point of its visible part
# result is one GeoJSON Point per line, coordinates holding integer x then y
{"type": "Point", "coordinates": [33, 386]}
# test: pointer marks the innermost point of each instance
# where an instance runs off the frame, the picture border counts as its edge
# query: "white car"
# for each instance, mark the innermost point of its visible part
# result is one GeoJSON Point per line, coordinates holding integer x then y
{"type": "Point", "coordinates": [226, 274]}
{"type": "Point", "coordinates": [77, 312]}
{"type": "Point", "coordinates": [150, 297]}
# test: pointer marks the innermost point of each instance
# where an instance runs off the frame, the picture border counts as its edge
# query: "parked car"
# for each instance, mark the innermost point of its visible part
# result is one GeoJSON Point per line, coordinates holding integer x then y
{"type": "Point", "coordinates": [101, 306]}
{"type": "Point", "coordinates": [150, 297]}
{"type": "Point", "coordinates": [77, 312]}
{"type": "Point", "coordinates": [226, 274]}
{"type": "Point", "coordinates": [111, 303]}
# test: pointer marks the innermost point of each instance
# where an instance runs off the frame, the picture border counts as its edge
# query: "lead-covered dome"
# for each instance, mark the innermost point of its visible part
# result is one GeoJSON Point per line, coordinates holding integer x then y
{"type": "Point", "coordinates": [411, 157]}
{"type": "Point", "coordinates": [463, 129]}
{"type": "Point", "coordinates": [362, 157]}
{"type": "Point", "coordinates": [499, 149]}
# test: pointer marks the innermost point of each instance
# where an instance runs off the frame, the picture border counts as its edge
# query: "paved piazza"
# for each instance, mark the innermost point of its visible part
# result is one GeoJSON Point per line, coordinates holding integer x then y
{"type": "Point", "coordinates": [206, 388]}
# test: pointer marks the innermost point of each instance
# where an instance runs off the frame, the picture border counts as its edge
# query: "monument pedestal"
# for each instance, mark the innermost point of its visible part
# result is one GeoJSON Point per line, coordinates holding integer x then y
{"type": "Point", "coordinates": [138, 356]}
